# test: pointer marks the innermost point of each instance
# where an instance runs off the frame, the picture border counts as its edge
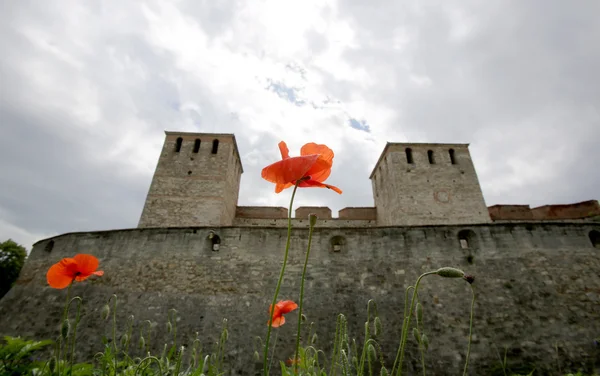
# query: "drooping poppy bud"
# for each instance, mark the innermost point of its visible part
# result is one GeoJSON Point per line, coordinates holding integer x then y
{"type": "Point", "coordinates": [65, 328]}
{"type": "Point", "coordinates": [419, 314]}
{"type": "Point", "coordinates": [371, 351]}
{"type": "Point", "coordinates": [312, 219]}
{"type": "Point", "coordinates": [425, 341]}
{"type": "Point", "coordinates": [416, 335]}
{"type": "Point", "coordinates": [448, 272]}
{"type": "Point", "coordinates": [378, 328]}
{"type": "Point", "coordinates": [105, 312]}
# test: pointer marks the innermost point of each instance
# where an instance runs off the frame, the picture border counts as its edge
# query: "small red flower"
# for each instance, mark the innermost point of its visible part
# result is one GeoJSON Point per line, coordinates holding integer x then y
{"type": "Point", "coordinates": [281, 308]}
{"type": "Point", "coordinates": [311, 168]}
{"type": "Point", "coordinates": [67, 270]}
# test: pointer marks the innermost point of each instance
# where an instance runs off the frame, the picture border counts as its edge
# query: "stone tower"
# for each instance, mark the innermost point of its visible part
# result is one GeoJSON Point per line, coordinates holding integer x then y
{"type": "Point", "coordinates": [196, 182]}
{"type": "Point", "coordinates": [427, 184]}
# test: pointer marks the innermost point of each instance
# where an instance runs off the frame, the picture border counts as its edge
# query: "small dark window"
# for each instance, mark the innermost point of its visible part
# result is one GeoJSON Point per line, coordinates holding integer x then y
{"type": "Point", "coordinates": [49, 246]}
{"type": "Point", "coordinates": [215, 147]}
{"type": "Point", "coordinates": [452, 156]}
{"type": "Point", "coordinates": [430, 157]}
{"type": "Point", "coordinates": [337, 243]}
{"type": "Point", "coordinates": [467, 239]}
{"type": "Point", "coordinates": [595, 238]}
{"type": "Point", "coordinates": [178, 144]}
{"type": "Point", "coordinates": [196, 145]}
{"type": "Point", "coordinates": [409, 156]}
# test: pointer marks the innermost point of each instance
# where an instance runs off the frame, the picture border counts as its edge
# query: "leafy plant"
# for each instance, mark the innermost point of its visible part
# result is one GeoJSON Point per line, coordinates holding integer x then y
{"type": "Point", "coordinates": [16, 355]}
{"type": "Point", "coordinates": [12, 258]}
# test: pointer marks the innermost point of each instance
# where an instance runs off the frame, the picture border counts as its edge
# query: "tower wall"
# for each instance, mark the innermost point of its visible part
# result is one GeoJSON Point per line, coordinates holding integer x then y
{"type": "Point", "coordinates": [193, 185]}
{"type": "Point", "coordinates": [412, 190]}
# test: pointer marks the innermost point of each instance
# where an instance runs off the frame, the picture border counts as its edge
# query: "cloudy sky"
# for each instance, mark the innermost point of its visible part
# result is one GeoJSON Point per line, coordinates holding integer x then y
{"type": "Point", "coordinates": [87, 89]}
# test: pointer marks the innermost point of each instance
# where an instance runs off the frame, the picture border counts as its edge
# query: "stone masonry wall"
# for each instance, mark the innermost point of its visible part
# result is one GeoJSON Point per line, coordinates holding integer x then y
{"type": "Point", "coordinates": [194, 188]}
{"type": "Point", "coordinates": [580, 210]}
{"type": "Point", "coordinates": [537, 286]}
{"type": "Point", "coordinates": [424, 193]}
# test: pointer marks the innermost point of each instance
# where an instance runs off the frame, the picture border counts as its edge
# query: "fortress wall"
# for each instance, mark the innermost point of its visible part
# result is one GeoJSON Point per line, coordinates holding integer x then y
{"type": "Point", "coordinates": [510, 212]}
{"type": "Point", "coordinates": [322, 212]}
{"type": "Point", "coordinates": [358, 213]}
{"type": "Point", "coordinates": [261, 212]}
{"type": "Point", "coordinates": [537, 285]}
{"type": "Point", "coordinates": [580, 210]}
{"type": "Point", "coordinates": [303, 223]}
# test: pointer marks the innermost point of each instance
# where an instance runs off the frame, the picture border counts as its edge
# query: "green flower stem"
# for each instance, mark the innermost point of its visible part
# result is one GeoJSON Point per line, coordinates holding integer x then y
{"type": "Point", "coordinates": [77, 318]}
{"type": "Point", "coordinates": [405, 325]}
{"type": "Point", "coordinates": [470, 330]}
{"type": "Point", "coordinates": [285, 257]}
{"type": "Point", "coordinates": [64, 317]}
{"type": "Point", "coordinates": [310, 232]}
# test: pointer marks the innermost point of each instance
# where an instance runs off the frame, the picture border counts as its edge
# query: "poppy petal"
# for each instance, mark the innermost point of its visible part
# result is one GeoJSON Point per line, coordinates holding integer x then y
{"type": "Point", "coordinates": [61, 274]}
{"type": "Point", "coordinates": [285, 152]}
{"type": "Point", "coordinates": [287, 306]}
{"type": "Point", "coordinates": [86, 264]}
{"type": "Point", "coordinates": [314, 183]}
{"type": "Point", "coordinates": [281, 187]}
{"type": "Point", "coordinates": [311, 148]}
{"type": "Point", "coordinates": [278, 321]}
{"type": "Point", "coordinates": [288, 170]}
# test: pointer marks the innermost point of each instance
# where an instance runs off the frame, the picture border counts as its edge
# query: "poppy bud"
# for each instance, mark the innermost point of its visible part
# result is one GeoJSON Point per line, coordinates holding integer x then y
{"type": "Point", "coordinates": [378, 327]}
{"type": "Point", "coordinates": [52, 364]}
{"type": "Point", "coordinates": [312, 219]}
{"type": "Point", "coordinates": [169, 327]}
{"type": "Point", "coordinates": [124, 340]}
{"type": "Point", "coordinates": [225, 335]}
{"type": "Point", "coordinates": [384, 372]}
{"type": "Point", "coordinates": [105, 312]}
{"type": "Point", "coordinates": [371, 351]}
{"type": "Point", "coordinates": [448, 272]}
{"type": "Point", "coordinates": [425, 341]}
{"type": "Point", "coordinates": [142, 343]}
{"type": "Point", "coordinates": [303, 317]}
{"type": "Point", "coordinates": [314, 338]}
{"type": "Point", "coordinates": [256, 356]}
{"type": "Point", "coordinates": [416, 335]}
{"type": "Point", "coordinates": [65, 328]}
{"type": "Point", "coordinates": [419, 313]}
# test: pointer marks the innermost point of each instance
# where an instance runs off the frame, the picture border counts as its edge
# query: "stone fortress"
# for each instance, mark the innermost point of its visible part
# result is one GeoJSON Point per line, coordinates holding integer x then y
{"type": "Point", "coordinates": [537, 270]}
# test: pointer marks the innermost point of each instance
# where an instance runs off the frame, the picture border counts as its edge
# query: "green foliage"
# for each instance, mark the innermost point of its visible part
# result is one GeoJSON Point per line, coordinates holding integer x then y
{"type": "Point", "coordinates": [16, 356]}
{"type": "Point", "coordinates": [12, 258]}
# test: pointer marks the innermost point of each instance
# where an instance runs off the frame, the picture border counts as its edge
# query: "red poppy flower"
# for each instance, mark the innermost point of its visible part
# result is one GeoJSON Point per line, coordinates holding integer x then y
{"type": "Point", "coordinates": [281, 308]}
{"type": "Point", "coordinates": [311, 168]}
{"type": "Point", "coordinates": [67, 270]}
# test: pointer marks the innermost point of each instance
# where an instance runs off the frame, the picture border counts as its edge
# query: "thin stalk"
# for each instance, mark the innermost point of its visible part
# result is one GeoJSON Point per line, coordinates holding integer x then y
{"type": "Point", "coordinates": [422, 357]}
{"type": "Point", "coordinates": [64, 317]}
{"type": "Point", "coordinates": [405, 325]}
{"type": "Point", "coordinates": [77, 318]}
{"type": "Point", "coordinates": [114, 329]}
{"type": "Point", "coordinates": [470, 330]}
{"type": "Point", "coordinates": [310, 232]}
{"type": "Point", "coordinates": [281, 273]}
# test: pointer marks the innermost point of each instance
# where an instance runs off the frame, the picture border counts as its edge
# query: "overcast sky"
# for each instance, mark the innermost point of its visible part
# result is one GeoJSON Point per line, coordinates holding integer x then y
{"type": "Point", "coordinates": [88, 88]}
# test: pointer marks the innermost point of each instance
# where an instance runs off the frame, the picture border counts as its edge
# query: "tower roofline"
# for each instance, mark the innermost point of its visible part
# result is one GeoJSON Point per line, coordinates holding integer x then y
{"type": "Point", "coordinates": [200, 134]}
{"type": "Point", "coordinates": [409, 144]}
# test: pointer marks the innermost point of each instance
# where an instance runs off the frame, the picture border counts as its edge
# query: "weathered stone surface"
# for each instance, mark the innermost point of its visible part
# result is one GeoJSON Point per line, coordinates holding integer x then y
{"type": "Point", "coordinates": [537, 286]}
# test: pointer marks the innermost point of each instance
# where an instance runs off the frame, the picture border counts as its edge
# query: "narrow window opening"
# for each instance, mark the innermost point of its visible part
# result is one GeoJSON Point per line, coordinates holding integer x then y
{"type": "Point", "coordinates": [215, 146]}
{"type": "Point", "coordinates": [409, 156]}
{"type": "Point", "coordinates": [197, 145]}
{"type": "Point", "coordinates": [452, 156]}
{"type": "Point", "coordinates": [49, 246]}
{"type": "Point", "coordinates": [337, 243]}
{"type": "Point", "coordinates": [595, 238]}
{"type": "Point", "coordinates": [467, 239]}
{"type": "Point", "coordinates": [178, 144]}
{"type": "Point", "coordinates": [215, 241]}
{"type": "Point", "coordinates": [430, 157]}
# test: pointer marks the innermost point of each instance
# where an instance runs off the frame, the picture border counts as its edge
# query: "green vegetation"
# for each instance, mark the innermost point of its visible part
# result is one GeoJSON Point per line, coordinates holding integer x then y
{"type": "Point", "coordinates": [12, 258]}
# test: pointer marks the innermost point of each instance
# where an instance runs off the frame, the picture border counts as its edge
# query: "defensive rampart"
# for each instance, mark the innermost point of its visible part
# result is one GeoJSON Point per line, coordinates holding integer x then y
{"type": "Point", "coordinates": [537, 286]}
